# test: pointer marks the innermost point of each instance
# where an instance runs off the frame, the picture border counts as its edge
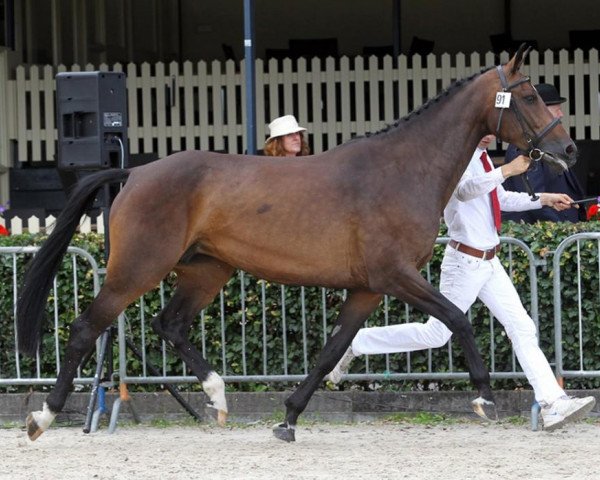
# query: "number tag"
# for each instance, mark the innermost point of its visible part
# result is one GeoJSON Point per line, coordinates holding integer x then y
{"type": "Point", "coordinates": [503, 99]}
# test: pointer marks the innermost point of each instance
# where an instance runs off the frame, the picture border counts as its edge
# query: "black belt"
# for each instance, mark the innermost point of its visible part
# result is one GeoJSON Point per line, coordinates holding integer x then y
{"type": "Point", "coordinates": [475, 252]}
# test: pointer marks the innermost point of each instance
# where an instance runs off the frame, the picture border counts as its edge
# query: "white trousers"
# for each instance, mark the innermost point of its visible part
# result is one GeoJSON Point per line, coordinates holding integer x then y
{"type": "Point", "coordinates": [464, 278]}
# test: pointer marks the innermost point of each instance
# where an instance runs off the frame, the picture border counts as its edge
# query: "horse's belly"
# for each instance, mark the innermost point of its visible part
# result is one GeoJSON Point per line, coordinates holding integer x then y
{"type": "Point", "coordinates": [295, 275]}
{"type": "Point", "coordinates": [314, 266]}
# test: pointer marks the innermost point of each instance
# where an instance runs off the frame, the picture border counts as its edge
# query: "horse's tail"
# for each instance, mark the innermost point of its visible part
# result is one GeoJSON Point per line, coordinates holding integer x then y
{"type": "Point", "coordinates": [44, 265]}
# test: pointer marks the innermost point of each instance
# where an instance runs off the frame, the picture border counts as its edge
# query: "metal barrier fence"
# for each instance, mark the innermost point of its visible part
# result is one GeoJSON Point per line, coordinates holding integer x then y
{"type": "Point", "coordinates": [576, 354]}
{"type": "Point", "coordinates": [83, 269]}
{"type": "Point", "coordinates": [260, 332]}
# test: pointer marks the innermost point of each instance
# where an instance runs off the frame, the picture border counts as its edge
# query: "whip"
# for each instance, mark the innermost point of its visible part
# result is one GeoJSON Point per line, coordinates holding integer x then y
{"type": "Point", "coordinates": [586, 200]}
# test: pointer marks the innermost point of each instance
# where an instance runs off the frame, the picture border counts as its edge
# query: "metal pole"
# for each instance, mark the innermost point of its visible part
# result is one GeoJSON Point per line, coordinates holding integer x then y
{"type": "Point", "coordinates": [105, 353]}
{"type": "Point", "coordinates": [96, 383]}
{"type": "Point", "coordinates": [106, 342]}
{"type": "Point", "coordinates": [250, 76]}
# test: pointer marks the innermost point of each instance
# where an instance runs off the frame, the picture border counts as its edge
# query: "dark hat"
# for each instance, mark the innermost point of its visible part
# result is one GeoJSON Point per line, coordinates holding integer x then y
{"type": "Point", "coordinates": [549, 94]}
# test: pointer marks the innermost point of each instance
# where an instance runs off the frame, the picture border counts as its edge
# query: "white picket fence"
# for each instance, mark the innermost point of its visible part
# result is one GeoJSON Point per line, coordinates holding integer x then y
{"type": "Point", "coordinates": [335, 99]}
{"type": "Point", "coordinates": [33, 224]}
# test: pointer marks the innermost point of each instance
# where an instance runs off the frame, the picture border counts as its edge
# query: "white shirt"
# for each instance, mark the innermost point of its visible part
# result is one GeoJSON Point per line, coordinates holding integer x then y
{"type": "Point", "coordinates": [469, 212]}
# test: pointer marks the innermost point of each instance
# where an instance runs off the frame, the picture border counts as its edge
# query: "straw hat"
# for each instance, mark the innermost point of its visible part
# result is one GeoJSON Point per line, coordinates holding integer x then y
{"type": "Point", "coordinates": [284, 126]}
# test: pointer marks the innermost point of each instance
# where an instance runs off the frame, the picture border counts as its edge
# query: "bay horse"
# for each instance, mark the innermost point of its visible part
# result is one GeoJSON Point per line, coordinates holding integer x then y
{"type": "Point", "coordinates": [363, 216]}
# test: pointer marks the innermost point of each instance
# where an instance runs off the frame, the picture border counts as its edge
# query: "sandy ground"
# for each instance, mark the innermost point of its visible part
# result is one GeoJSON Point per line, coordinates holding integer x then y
{"type": "Point", "coordinates": [375, 450]}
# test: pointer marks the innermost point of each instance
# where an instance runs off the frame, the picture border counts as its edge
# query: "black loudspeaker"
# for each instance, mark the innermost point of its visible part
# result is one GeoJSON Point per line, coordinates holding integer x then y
{"type": "Point", "coordinates": [92, 120]}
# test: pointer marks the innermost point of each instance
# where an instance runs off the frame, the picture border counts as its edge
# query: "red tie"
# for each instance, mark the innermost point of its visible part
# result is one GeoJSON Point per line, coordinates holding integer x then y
{"type": "Point", "coordinates": [493, 194]}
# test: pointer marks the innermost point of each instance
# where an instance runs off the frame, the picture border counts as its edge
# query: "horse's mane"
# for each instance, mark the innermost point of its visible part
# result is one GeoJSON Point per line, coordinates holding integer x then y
{"type": "Point", "coordinates": [415, 113]}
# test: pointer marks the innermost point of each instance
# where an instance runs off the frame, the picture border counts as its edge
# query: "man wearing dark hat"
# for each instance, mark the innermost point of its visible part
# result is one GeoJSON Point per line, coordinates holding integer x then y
{"type": "Point", "coordinates": [542, 178]}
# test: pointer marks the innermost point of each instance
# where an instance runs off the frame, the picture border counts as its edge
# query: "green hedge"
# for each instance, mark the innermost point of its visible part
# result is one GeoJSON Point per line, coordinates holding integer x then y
{"type": "Point", "coordinates": [541, 238]}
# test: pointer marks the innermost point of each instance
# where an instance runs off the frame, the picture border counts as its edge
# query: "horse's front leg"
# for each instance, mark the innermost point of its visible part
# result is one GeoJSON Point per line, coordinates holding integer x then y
{"type": "Point", "coordinates": [355, 310]}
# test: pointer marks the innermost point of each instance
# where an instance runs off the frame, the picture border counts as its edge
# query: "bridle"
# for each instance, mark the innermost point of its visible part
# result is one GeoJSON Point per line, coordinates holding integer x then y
{"type": "Point", "coordinates": [532, 139]}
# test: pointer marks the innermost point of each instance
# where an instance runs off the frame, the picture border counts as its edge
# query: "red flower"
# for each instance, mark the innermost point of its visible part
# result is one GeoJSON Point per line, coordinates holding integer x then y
{"type": "Point", "coordinates": [3, 230]}
{"type": "Point", "coordinates": [593, 212]}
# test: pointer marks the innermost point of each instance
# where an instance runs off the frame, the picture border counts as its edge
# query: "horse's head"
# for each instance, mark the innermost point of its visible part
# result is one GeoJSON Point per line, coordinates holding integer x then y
{"type": "Point", "coordinates": [522, 118]}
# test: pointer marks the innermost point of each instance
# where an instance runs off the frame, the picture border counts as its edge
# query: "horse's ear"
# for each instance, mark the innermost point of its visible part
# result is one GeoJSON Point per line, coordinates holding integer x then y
{"type": "Point", "coordinates": [519, 58]}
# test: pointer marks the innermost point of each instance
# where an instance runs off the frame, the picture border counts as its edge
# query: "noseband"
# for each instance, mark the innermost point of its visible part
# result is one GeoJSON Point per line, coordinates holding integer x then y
{"type": "Point", "coordinates": [531, 137]}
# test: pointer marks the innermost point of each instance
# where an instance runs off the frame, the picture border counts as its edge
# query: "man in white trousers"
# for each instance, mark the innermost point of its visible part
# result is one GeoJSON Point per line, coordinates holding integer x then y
{"type": "Point", "coordinates": [471, 269]}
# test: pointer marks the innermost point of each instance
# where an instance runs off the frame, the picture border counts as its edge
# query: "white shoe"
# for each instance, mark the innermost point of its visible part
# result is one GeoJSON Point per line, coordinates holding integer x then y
{"type": "Point", "coordinates": [565, 410]}
{"type": "Point", "coordinates": [335, 376]}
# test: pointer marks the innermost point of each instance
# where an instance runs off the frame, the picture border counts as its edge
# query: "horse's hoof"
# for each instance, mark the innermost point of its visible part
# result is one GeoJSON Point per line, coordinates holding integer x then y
{"type": "Point", "coordinates": [216, 415]}
{"type": "Point", "coordinates": [221, 418]}
{"type": "Point", "coordinates": [33, 429]}
{"type": "Point", "coordinates": [285, 433]}
{"type": "Point", "coordinates": [485, 409]}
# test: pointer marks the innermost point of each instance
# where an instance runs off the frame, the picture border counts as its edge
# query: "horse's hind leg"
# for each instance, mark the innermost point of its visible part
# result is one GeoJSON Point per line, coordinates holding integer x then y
{"type": "Point", "coordinates": [127, 278]}
{"type": "Point", "coordinates": [84, 331]}
{"type": "Point", "coordinates": [197, 284]}
{"type": "Point", "coordinates": [354, 312]}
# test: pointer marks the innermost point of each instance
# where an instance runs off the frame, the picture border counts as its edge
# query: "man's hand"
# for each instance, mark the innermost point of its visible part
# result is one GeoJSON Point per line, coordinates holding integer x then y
{"type": "Point", "coordinates": [558, 201]}
{"type": "Point", "coordinates": [519, 165]}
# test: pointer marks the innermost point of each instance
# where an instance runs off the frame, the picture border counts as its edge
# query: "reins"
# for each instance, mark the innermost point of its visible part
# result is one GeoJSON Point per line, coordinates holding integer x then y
{"type": "Point", "coordinates": [532, 139]}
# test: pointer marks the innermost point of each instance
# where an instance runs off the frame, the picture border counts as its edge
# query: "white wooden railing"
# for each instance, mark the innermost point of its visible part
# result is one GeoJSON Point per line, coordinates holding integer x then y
{"type": "Point", "coordinates": [334, 99]}
{"type": "Point", "coordinates": [33, 224]}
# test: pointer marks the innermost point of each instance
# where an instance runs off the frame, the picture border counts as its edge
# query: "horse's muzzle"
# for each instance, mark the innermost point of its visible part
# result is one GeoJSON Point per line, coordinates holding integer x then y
{"type": "Point", "coordinates": [571, 153]}
{"type": "Point", "coordinates": [559, 159]}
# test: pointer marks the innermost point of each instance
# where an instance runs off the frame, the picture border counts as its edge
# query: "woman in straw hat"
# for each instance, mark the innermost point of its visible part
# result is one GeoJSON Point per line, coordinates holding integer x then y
{"type": "Point", "coordinates": [286, 138]}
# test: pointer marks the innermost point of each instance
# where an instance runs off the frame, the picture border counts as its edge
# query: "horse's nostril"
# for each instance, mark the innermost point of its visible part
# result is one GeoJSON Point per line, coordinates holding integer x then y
{"type": "Point", "coordinates": [571, 150]}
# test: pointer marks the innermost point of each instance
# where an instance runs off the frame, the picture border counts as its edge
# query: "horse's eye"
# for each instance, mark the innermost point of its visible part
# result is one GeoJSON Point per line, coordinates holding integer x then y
{"type": "Point", "coordinates": [530, 99]}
